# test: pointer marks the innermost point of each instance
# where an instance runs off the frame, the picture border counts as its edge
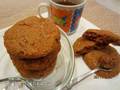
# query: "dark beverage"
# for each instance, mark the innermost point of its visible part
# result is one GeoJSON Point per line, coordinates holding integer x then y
{"type": "Point", "coordinates": [66, 3]}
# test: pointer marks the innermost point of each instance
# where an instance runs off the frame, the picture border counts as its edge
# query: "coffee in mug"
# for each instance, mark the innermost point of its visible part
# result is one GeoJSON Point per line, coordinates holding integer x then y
{"type": "Point", "coordinates": [66, 14]}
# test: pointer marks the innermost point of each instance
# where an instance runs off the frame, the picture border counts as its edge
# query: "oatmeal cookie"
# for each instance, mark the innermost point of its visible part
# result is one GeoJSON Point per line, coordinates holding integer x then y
{"type": "Point", "coordinates": [107, 58]}
{"type": "Point", "coordinates": [83, 46]}
{"type": "Point", "coordinates": [102, 37]}
{"type": "Point", "coordinates": [31, 38]}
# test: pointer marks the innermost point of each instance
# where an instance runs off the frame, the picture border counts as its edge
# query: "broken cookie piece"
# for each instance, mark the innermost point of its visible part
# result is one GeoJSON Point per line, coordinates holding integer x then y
{"type": "Point", "coordinates": [83, 46]}
{"type": "Point", "coordinates": [107, 58]}
{"type": "Point", "coordinates": [102, 37]}
{"type": "Point", "coordinates": [108, 62]}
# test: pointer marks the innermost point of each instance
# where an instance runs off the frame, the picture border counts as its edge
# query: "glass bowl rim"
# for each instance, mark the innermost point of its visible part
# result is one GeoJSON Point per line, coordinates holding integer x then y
{"type": "Point", "coordinates": [71, 69]}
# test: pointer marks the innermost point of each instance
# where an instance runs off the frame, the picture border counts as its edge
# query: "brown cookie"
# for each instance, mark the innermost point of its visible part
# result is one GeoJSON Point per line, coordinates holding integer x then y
{"type": "Point", "coordinates": [108, 62]}
{"type": "Point", "coordinates": [39, 63]}
{"type": "Point", "coordinates": [102, 37]}
{"type": "Point", "coordinates": [37, 74]}
{"type": "Point", "coordinates": [31, 38]}
{"type": "Point", "coordinates": [34, 64]}
{"type": "Point", "coordinates": [39, 67]}
{"type": "Point", "coordinates": [83, 46]}
{"type": "Point", "coordinates": [107, 58]}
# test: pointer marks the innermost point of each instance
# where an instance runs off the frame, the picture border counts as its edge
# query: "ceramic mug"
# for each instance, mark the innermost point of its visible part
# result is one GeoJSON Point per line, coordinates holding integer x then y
{"type": "Point", "coordinates": [65, 13]}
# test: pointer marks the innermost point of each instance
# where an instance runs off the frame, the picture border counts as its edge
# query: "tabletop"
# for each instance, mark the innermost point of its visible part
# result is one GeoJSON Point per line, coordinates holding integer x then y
{"type": "Point", "coordinates": [102, 16]}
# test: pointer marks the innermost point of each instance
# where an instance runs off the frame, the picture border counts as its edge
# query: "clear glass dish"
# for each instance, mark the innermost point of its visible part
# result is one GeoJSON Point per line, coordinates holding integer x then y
{"type": "Point", "coordinates": [59, 78]}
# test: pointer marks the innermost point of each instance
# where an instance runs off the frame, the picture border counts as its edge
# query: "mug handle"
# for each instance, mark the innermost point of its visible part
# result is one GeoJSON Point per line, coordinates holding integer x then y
{"type": "Point", "coordinates": [43, 5]}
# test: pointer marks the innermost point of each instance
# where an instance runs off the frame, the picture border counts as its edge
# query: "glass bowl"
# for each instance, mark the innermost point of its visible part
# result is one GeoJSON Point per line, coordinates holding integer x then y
{"type": "Point", "coordinates": [61, 74]}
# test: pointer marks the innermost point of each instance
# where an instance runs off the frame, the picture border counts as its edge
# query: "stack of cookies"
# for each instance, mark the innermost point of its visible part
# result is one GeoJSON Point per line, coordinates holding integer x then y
{"type": "Point", "coordinates": [33, 45]}
{"type": "Point", "coordinates": [94, 46]}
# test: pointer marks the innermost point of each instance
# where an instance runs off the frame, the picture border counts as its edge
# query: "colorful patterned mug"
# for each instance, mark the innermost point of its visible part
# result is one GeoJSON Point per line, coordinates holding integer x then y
{"type": "Point", "coordinates": [65, 13]}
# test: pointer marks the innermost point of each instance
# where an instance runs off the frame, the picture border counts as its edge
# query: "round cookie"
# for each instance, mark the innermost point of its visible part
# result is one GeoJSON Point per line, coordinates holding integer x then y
{"type": "Point", "coordinates": [31, 38]}
{"type": "Point", "coordinates": [36, 74]}
{"type": "Point", "coordinates": [37, 68]}
{"type": "Point", "coordinates": [39, 63]}
{"type": "Point", "coordinates": [34, 64]}
{"type": "Point", "coordinates": [92, 59]}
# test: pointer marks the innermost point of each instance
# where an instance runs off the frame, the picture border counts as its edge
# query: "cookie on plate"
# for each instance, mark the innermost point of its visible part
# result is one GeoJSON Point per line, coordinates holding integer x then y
{"type": "Point", "coordinates": [102, 37]}
{"type": "Point", "coordinates": [34, 69]}
{"type": "Point", "coordinates": [33, 45]}
{"type": "Point", "coordinates": [38, 63]}
{"type": "Point", "coordinates": [107, 58]}
{"type": "Point", "coordinates": [83, 46]}
{"type": "Point", "coordinates": [31, 38]}
{"type": "Point", "coordinates": [38, 66]}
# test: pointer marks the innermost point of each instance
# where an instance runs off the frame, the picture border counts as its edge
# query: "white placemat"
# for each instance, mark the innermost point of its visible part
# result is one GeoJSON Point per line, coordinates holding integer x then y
{"type": "Point", "coordinates": [89, 84]}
